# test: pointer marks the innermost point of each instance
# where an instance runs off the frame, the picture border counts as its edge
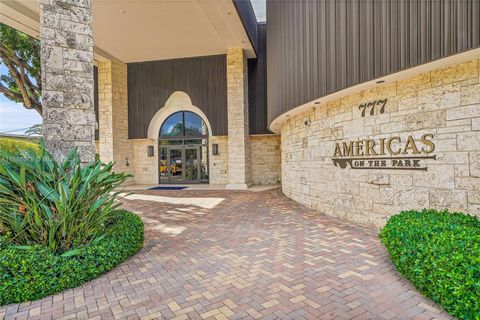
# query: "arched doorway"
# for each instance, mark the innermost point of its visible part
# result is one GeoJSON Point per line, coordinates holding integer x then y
{"type": "Point", "coordinates": [183, 149]}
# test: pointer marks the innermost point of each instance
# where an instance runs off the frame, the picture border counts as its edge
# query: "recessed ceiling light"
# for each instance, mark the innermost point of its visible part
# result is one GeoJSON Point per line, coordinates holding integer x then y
{"type": "Point", "coordinates": [123, 11]}
{"type": "Point", "coordinates": [380, 81]}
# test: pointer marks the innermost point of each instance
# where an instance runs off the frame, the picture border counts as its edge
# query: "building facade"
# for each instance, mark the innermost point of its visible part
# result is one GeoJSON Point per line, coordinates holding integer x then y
{"type": "Point", "coordinates": [360, 109]}
{"type": "Point", "coordinates": [377, 104]}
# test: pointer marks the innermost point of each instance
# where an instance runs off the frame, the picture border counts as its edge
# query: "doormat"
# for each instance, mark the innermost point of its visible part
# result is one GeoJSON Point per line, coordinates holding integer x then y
{"type": "Point", "coordinates": [167, 188]}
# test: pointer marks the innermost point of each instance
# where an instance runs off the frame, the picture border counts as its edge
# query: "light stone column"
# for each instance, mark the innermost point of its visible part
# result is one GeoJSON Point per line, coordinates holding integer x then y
{"type": "Point", "coordinates": [113, 115]}
{"type": "Point", "coordinates": [67, 77]}
{"type": "Point", "coordinates": [239, 176]}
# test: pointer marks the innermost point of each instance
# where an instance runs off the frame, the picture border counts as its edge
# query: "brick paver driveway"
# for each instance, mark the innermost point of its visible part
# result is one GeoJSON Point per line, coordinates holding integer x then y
{"type": "Point", "coordinates": [220, 254]}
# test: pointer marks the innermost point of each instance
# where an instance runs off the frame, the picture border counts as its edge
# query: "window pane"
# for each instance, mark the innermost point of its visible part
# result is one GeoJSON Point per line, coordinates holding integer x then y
{"type": "Point", "coordinates": [203, 163]}
{"type": "Point", "coordinates": [173, 126]}
{"type": "Point", "coordinates": [194, 125]}
{"type": "Point", "coordinates": [162, 158]}
{"type": "Point", "coordinates": [171, 142]}
{"type": "Point", "coordinates": [193, 141]}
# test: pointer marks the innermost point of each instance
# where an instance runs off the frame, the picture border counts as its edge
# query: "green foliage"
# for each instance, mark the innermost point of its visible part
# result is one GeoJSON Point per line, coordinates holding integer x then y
{"type": "Point", "coordinates": [35, 130]}
{"type": "Point", "coordinates": [56, 205]}
{"type": "Point", "coordinates": [15, 146]}
{"type": "Point", "coordinates": [439, 252]}
{"type": "Point", "coordinates": [192, 173]}
{"type": "Point", "coordinates": [20, 54]}
{"type": "Point", "coordinates": [31, 274]}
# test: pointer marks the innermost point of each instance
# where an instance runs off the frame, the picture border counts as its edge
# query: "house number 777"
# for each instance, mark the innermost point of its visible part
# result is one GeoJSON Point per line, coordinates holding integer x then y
{"type": "Point", "coordinates": [372, 105]}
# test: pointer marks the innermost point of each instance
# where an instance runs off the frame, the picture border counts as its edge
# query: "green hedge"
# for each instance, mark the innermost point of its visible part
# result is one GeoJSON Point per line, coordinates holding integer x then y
{"type": "Point", "coordinates": [439, 252]}
{"type": "Point", "coordinates": [31, 274]}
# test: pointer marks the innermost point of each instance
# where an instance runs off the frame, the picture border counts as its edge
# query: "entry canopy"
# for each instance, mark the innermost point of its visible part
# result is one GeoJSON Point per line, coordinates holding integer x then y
{"type": "Point", "coordinates": [134, 31]}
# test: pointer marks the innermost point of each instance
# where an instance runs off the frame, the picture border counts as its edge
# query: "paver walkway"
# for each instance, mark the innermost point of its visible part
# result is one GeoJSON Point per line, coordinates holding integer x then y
{"type": "Point", "coordinates": [222, 254]}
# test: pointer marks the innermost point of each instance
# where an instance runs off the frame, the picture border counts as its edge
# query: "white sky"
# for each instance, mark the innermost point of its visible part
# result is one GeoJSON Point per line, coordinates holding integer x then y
{"type": "Point", "coordinates": [14, 116]}
{"type": "Point", "coordinates": [259, 6]}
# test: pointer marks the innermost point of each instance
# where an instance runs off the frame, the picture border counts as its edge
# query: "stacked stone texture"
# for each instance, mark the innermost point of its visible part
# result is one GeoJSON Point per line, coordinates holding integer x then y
{"type": "Point", "coordinates": [265, 167]}
{"type": "Point", "coordinates": [444, 102]}
{"type": "Point", "coordinates": [113, 115]}
{"type": "Point", "coordinates": [145, 168]}
{"type": "Point", "coordinates": [238, 131]}
{"type": "Point", "coordinates": [265, 162]}
{"type": "Point", "coordinates": [67, 77]}
{"type": "Point", "coordinates": [218, 164]}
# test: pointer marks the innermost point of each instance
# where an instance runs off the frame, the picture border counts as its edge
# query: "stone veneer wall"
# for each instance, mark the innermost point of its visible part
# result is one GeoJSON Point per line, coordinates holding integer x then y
{"type": "Point", "coordinates": [145, 167]}
{"type": "Point", "coordinates": [67, 77]}
{"type": "Point", "coordinates": [114, 144]}
{"type": "Point", "coordinates": [265, 159]}
{"type": "Point", "coordinates": [265, 165]}
{"type": "Point", "coordinates": [237, 104]}
{"type": "Point", "coordinates": [444, 102]}
{"type": "Point", "coordinates": [218, 165]}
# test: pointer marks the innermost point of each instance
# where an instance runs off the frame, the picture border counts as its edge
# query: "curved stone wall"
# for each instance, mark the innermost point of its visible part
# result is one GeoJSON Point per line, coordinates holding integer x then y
{"type": "Point", "coordinates": [416, 145]}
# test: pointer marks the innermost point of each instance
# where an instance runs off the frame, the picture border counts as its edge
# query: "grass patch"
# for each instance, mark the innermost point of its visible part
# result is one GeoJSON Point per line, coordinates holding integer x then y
{"type": "Point", "coordinates": [14, 146]}
{"type": "Point", "coordinates": [439, 252]}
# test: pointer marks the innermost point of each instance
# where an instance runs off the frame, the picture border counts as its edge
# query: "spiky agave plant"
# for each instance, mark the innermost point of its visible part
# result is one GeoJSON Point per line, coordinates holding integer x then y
{"type": "Point", "coordinates": [57, 205]}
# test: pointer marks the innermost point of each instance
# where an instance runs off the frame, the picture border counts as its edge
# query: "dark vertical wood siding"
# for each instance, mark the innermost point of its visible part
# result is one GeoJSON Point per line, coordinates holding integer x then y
{"type": "Point", "coordinates": [257, 86]}
{"type": "Point", "coordinates": [318, 47]}
{"type": "Point", "coordinates": [95, 98]}
{"type": "Point", "coordinates": [151, 83]}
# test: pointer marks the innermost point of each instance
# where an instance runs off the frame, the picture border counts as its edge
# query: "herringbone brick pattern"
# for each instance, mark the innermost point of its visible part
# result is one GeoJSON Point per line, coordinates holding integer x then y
{"type": "Point", "coordinates": [241, 255]}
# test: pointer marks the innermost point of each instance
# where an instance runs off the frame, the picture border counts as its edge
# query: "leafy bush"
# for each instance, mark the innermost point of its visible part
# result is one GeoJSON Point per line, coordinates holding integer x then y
{"type": "Point", "coordinates": [14, 146]}
{"type": "Point", "coordinates": [31, 274]}
{"type": "Point", "coordinates": [439, 252]}
{"type": "Point", "coordinates": [59, 206]}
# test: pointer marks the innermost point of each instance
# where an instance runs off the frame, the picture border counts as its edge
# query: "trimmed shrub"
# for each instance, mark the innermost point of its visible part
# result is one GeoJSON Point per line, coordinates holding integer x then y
{"type": "Point", "coordinates": [439, 252]}
{"type": "Point", "coordinates": [35, 272]}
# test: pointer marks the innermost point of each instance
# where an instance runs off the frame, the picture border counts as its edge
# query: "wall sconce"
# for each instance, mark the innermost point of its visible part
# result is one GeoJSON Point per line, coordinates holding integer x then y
{"type": "Point", "coordinates": [126, 162]}
{"type": "Point", "coordinates": [215, 149]}
{"type": "Point", "coordinates": [149, 151]}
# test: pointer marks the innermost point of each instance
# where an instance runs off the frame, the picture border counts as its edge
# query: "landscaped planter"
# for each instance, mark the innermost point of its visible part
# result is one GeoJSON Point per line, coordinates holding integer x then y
{"type": "Point", "coordinates": [439, 252]}
{"type": "Point", "coordinates": [59, 223]}
{"type": "Point", "coordinates": [31, 274]}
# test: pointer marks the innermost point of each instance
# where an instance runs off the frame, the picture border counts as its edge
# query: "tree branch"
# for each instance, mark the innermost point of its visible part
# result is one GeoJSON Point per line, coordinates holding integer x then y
{"type": "Point", "coordinates": [9, 93]}
{"type": "Point", "coordinates": [19, 78]}
{"type": "Point", "coordinates": [18, 61]}
{"type": "Point", "coordinates": [16, 76]}
{"type": "Point", "coordinates": [37, 75]}
{"type": "Point", "coordinates": [37, 106]}
{"type": "Point", "coordinates": [29, 86]}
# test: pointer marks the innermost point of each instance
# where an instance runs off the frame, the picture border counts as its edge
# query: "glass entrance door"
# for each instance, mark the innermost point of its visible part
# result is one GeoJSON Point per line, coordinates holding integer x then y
{"type": "Point", "coordinates": [182, 164]}
{"type": "Point", "coordinates": [175, 161]}
{"type": "Point", "coordinates": [192, 164]}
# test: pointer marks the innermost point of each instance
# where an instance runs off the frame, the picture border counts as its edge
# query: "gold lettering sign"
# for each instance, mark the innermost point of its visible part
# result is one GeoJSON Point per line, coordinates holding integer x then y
{"type": "Point", "coordinates": [395, 153]}
{"type": "Point", "coordinates": [372, 106]}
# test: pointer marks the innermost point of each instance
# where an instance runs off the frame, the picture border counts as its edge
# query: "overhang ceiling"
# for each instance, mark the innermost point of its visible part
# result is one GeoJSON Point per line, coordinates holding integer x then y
{"type": "Point", "coordinates": [144, 30]}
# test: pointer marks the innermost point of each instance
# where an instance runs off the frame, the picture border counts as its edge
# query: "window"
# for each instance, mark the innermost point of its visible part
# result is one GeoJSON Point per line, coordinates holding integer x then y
{"type": "Point", "coordinates": [173, 126]}
{"type": "Point", "coordinates": [183, 124]}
